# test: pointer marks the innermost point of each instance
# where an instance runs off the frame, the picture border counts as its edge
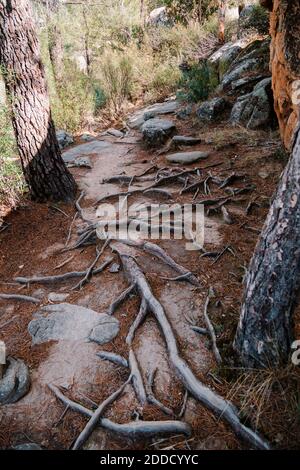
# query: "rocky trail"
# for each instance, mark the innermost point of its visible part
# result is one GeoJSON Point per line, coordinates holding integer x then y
{"type": "Point", "coordinates": [143, 328]}
{"type": "Point", "coordinates": [128, 343]}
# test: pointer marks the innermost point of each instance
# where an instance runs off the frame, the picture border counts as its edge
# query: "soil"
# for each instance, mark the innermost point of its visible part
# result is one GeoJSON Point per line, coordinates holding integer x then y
{"type": "Point", "coordinates": [32, 245]}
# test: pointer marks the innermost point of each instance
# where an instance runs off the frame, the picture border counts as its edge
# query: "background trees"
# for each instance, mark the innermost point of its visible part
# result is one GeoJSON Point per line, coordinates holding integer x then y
{"type": "Point", "coordinates": [24, 76]}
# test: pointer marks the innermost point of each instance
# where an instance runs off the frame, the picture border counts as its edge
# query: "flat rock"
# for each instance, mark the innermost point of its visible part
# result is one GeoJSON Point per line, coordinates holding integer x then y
{"type": "Point", "coordinates": [183, 140]}
{"type": "Point", "coordinates": [115, 132]}
{"type": "Point", "coordinates": [157, 131]}
{"type": "Point", "coordinates": [15, 382]}
{"type": "Point", "coordinates": [96, 146]}
{"type": "Point", "coordinates": [81, 162]}
{"type": "Point", "coordinates": [69, 322]}
{"type": "Point", "coordinates": [105, 331]}
{"type": "Point", "coordinates": [158, 109]}
{"type": "Point", "coordinates": [186, 157]}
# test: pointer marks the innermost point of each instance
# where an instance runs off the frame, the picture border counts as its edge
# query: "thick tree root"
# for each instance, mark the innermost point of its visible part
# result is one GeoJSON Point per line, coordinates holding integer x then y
{"type": "Point", "coordinates": [157, 251]}
{"type": "Point", "coordinates": [151, 398]}
{"type": "Point", "coordinates": [60, 277]}
{"type": "Point", "coordinates": [221, 407]}
{"type": "Point", "coordinates": [20, 298]}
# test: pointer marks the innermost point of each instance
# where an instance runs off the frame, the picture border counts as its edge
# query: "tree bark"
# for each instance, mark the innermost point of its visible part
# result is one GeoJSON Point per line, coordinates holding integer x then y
{"type": "Point", "coordinates": [264, 333]}
{"type": "Point", "coordinates": [24, 76]}
{"type": "Point", "coordinates": [265, 330]}
{"type": "Point", "coordinates": [222, 14]}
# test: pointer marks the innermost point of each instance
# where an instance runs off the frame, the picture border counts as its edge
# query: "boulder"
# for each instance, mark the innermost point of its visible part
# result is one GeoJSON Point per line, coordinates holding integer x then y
{"type": "Point", "coordinates": [15, 382]}
{"type": "Point", "coordinates": [211, 110]}
{"type": "Point", "coordinates": [64, 139]}
{"type": "Point", "coordinates": [186, 157]}
{"type": "Point", "coordinates": [159, 17]}
{"type": "Point", "coordinates": [157, 131]}
{"type": "Point", "coordinates": [70, 322]}
{"type": "Point", "coordinates": [254, 110]}
{"type": "Point", "coordinates": [220, 61]}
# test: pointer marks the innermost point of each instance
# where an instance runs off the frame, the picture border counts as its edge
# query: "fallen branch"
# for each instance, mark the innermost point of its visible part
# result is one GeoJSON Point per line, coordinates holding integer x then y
{"type": "Point", "coordinates": [221, 407]}
{"type": "Point", "coordinates": [20, 298]}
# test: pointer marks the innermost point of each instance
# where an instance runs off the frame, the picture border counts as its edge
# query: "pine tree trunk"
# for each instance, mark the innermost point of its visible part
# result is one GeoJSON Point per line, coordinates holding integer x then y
{"type": "Point", "coordinates": [264, 334]}
{"type": "Point", "coordinates": [24, 76]}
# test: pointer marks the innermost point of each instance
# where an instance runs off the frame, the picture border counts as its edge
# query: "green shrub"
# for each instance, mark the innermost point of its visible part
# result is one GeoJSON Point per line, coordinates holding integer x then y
{"type": "Point", "coordinates": [11, 176]}
{"type": "Point", "coordinates": [197, 83]}
{"type": "Point", "coordinates": [257, 20]}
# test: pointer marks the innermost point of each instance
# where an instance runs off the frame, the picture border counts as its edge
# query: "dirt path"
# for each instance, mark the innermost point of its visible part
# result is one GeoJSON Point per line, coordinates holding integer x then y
{"type": "Point", "coordinates": [33, 243]}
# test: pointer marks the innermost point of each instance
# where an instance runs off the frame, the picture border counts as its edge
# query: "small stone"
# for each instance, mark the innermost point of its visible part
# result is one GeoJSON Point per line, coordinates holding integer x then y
{"type": "Point", "coordinates": [87, 137]}
{"type": "Point", "coordinates": [106, 331]}
{"type": "Point", "coordinates": [64, 139]}
{"type": "Point", "coordinates": [54, 297]}
{"type": "Point", "coordinates": [183, 140]}
{"type": "Point", "coordinates": [115, 268]}
{"type": "Point", "coordinates": [115, 133]}
{"type": "Point", "coordinates": [187, 157]}
{"type": "Point", "coordinates": [81, 162]}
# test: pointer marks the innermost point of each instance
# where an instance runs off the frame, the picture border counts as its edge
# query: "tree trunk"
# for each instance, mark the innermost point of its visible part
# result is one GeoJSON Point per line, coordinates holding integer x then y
{"type": "Point", "coordinates": [222, 14]}
{"type": "Point", "coordinates": [55, 43]}
{"type": "Point", "coordinates": [24, 76]}
{"type": "Point", "coordinates": [264, 333]}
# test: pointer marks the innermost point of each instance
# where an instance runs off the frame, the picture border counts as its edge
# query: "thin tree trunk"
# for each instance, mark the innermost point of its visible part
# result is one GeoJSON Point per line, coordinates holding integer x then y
{"type": "Point", "coordinates": [55, 43]}
{"type": "Point", "coordinates": [264, 333]}
{"type": "Point", "coordinates": [86, 41]}
{"type": "Point", "coordinates": [24, 76]}
{"type": "Point", "coordinates": [222, 14]}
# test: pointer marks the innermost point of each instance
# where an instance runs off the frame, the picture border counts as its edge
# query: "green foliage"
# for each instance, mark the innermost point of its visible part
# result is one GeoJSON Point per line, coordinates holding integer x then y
{"type": "Point", "coordinates": [257, 20]}
{"type": "Point", "coordinates": [11, 178]}
{"type": "Point", "coordinates": [197, 83]}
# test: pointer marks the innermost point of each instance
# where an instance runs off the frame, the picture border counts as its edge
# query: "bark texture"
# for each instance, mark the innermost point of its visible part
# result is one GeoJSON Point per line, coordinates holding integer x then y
{"type": "Point", "coordinates": [264, 334]}
{"type": "Point", "coordinates": [24, 76]}
{"type": "Point", "coordinates": [265, 330]}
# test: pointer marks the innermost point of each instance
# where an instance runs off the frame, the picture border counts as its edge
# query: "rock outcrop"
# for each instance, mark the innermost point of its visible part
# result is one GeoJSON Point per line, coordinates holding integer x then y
{"type": "Point", "coordinates": [285, 65]}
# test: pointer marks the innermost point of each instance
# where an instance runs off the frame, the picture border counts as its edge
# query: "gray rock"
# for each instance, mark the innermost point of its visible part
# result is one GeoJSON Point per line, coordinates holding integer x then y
{"type": "Point", "coordinates": [238, 72]}
{"type": "Point", "coordinates": [187, 157]}
{"type": "Point", "coordinates": [254, 109]}
{"type": "Point", "coordinates": [81, 162]}
{"type": "Point", "coordinates": [64, 139]}
{"type": "Point", "coordinates": [115, 133]}
{"type": "Point", "coordinates": [54, 297]}
{"type": "Point", "coordinates": [68, 322]}
{"type": "Point", "coordinates": [15, 382]}
{"type": "Point", "coordinates": [106, 331]}
{"type": "Point", "coordinates": [211, 110]}
{"type": "Point", "coordinates": [157, 131]}
{"type": "Point", "coordinates": [115, 268]}
{"type": "Point", "coordinates": [27, 446]}
{"type": "Point", "coordinates": [87, 137]}
{"type": "Point", "coordinates": [83, 150]}
{"type": "Point", "coordinates": [157, 109]}
{"type": "Point", "coordinates": [184, 113]}
{"type": "Point", "coordinates": [159, 17]}
{"type": "Point", "coordinates": [220, 61]}
{"type": "Point", "coordinates": [183, 140]}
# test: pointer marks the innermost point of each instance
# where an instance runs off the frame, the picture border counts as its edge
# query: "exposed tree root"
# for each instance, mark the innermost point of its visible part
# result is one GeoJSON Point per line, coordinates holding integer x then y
{"type": "Point", "coordinates": [137, 322]}
{"type": "Point", "coordinates": [114, 358]}
{"type": "Point", "coordinates": [90, 270]}
{"type": "Point", "coordinates": [20, 298]}
{"type": "Point", "coordinates": [60, 277]}
{"type": "Point", "coordinates": [151, 398]}
{"type": "Point", "coordinates": [137, 380]}
{"type": "Point", "coordinates": [211, 331]}
{"type": "Point", "coordinates": [122, 297]}
{"type": "Point", "coordinates": [157, 251]}
{"type": "Point", "coordinates": [89, 428]}
{"type": "Point", "coordinates": [221, 407]}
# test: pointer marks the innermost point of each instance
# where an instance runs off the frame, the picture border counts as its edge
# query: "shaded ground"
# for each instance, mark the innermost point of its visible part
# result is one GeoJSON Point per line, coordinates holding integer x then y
{"type": "Point", "coordinates": [32, 244]}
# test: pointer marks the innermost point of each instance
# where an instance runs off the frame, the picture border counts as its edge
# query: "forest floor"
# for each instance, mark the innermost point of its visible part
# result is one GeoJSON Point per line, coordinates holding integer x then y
{"type": "Point", "coordinates": [33, 244]}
